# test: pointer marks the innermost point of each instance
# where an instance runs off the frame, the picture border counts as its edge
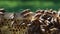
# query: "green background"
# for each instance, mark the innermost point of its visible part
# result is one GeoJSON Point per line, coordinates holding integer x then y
{"type": "Point", "coordinates": [19, 5]}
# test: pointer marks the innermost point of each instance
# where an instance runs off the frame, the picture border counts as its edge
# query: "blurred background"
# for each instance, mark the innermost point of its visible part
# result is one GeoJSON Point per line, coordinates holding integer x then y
{"type": "Point", "coordinates": [19, 5]}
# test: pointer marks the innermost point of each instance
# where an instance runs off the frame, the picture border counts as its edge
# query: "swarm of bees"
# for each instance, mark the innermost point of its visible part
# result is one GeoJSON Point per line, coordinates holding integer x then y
{"type": "Point", "coordinates": [28, 22]}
